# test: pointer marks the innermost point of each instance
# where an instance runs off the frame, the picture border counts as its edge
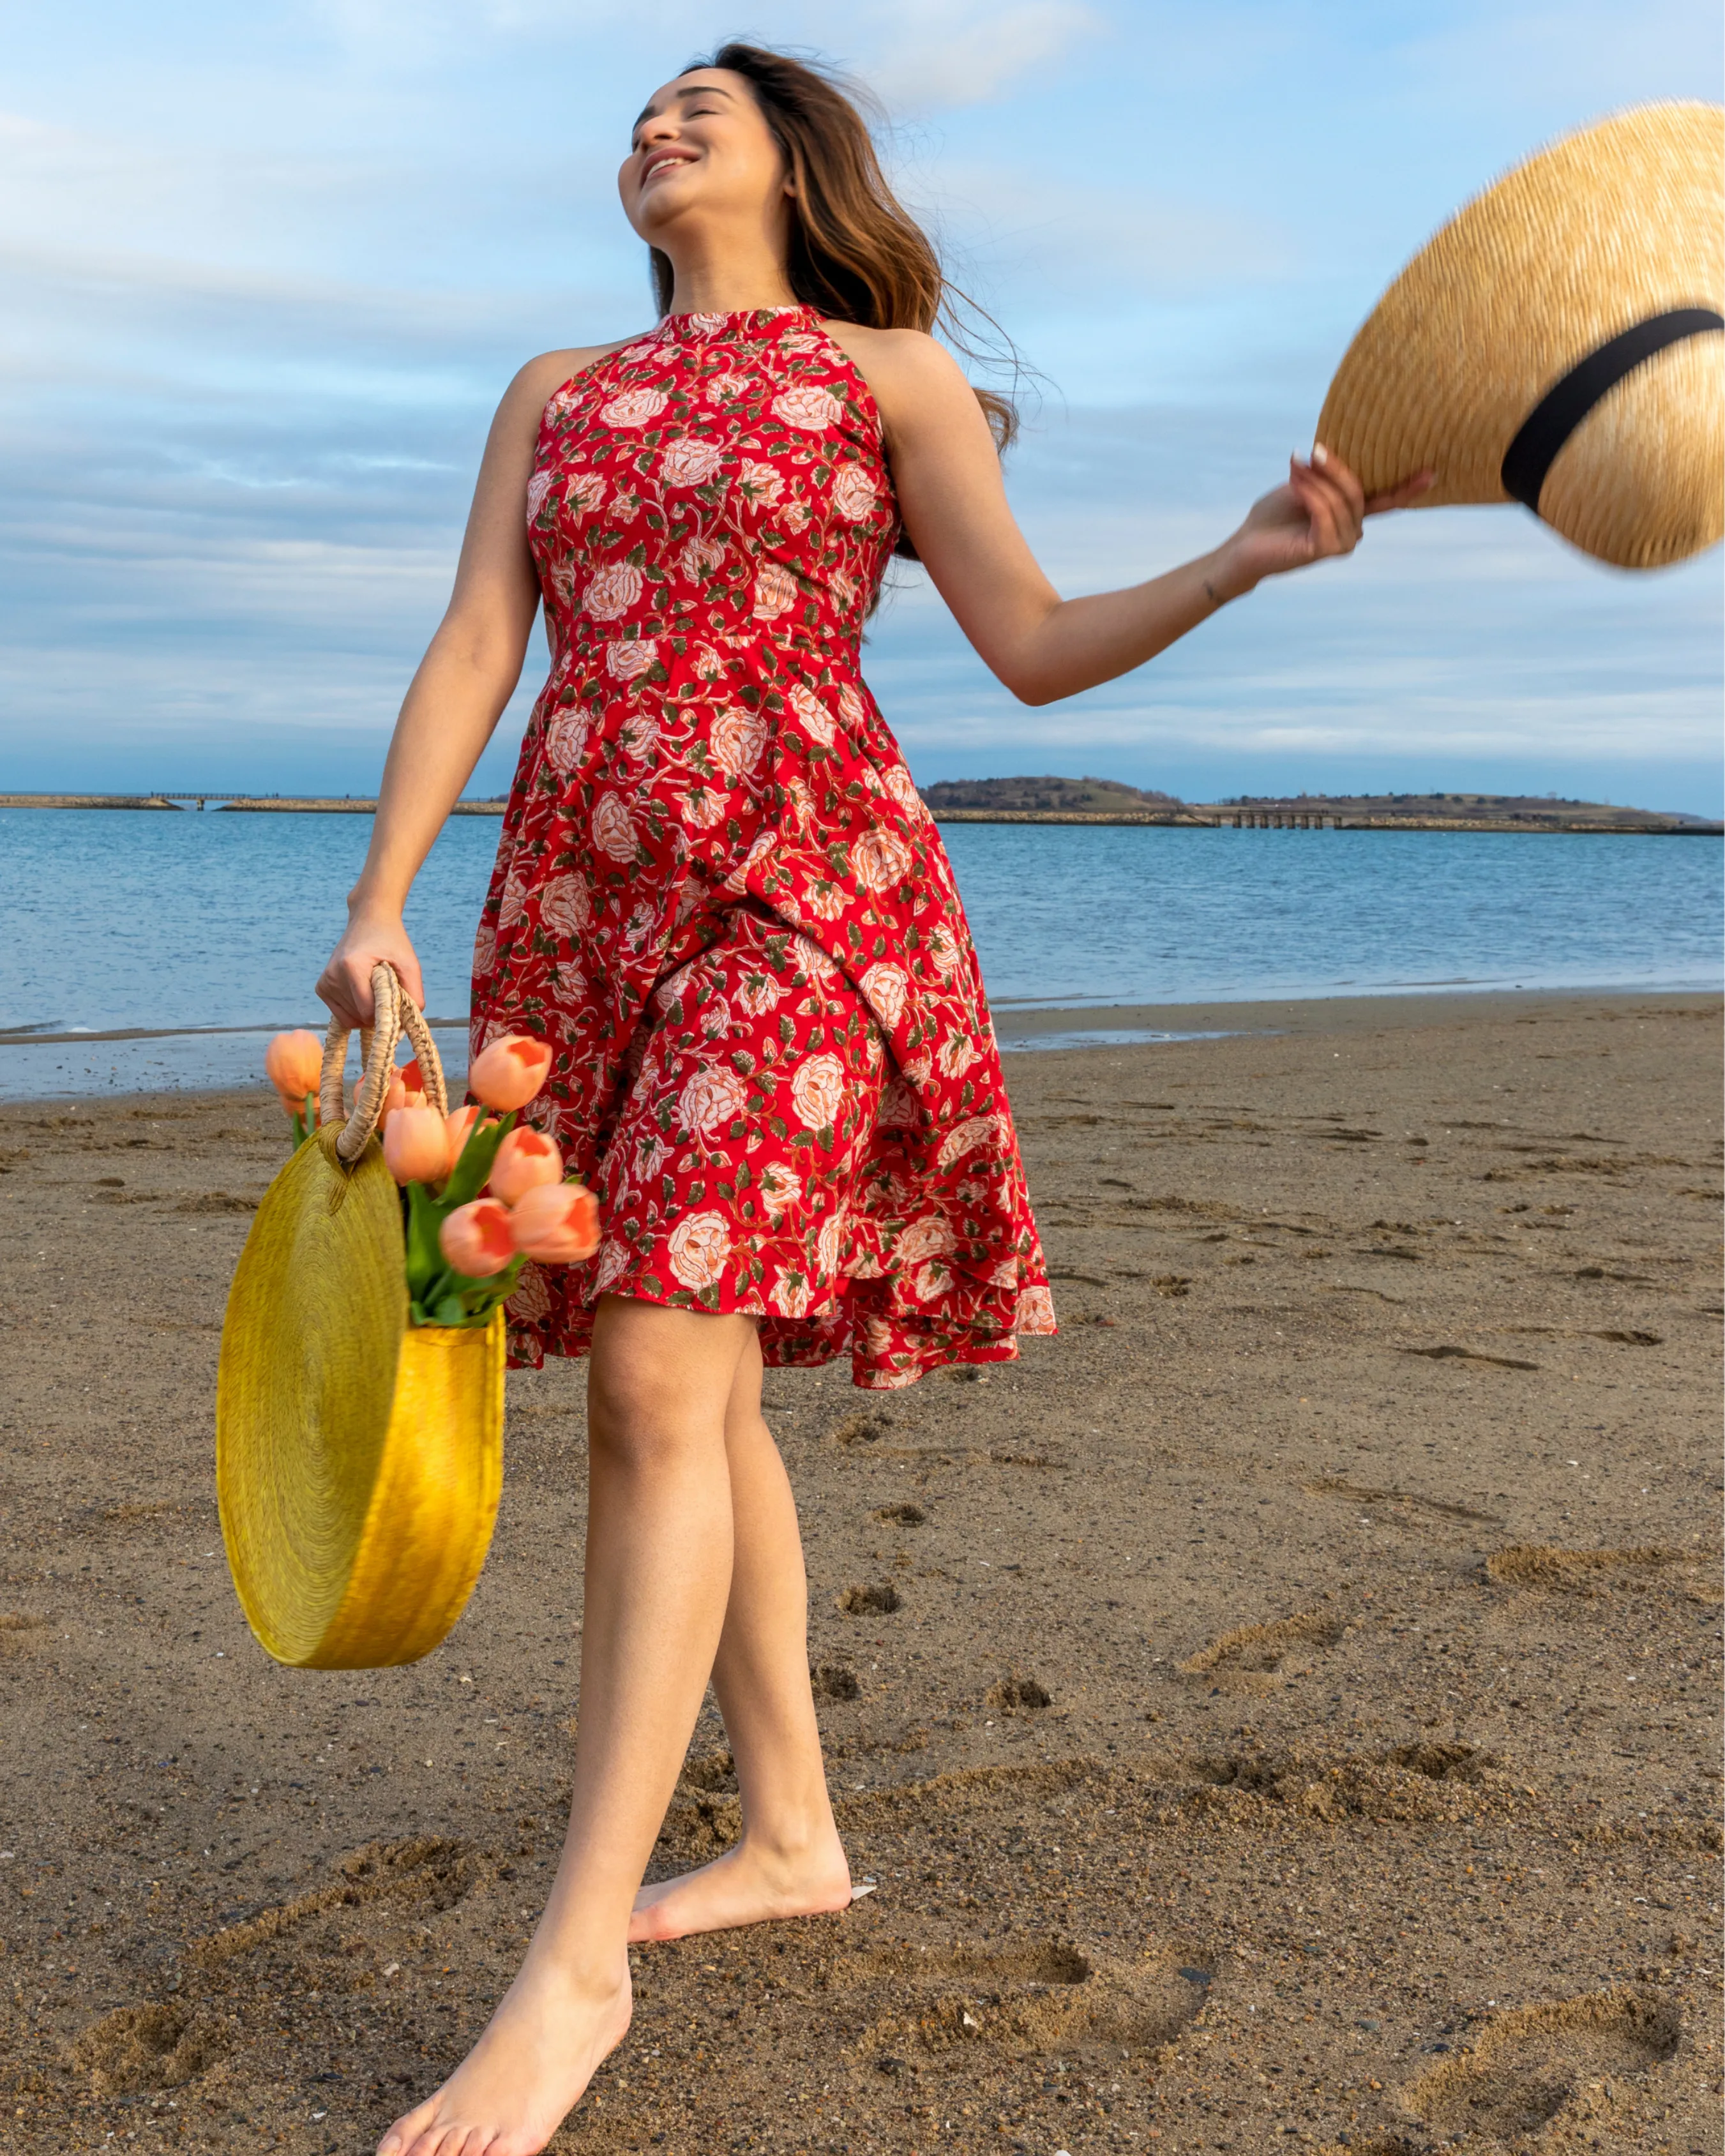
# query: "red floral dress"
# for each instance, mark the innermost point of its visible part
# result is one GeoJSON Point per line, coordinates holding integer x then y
{"type": "Point", "coordinates": [719, 896]}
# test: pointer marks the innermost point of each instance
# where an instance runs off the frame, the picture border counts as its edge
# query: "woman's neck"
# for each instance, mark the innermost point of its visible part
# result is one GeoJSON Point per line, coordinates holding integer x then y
{"type": "Point", "coordinates": [728, 278]}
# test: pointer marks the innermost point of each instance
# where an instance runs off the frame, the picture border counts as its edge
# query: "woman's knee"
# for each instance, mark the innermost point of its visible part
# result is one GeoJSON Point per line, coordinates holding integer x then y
{"type": "Point", "coordinates": [660, 1381]}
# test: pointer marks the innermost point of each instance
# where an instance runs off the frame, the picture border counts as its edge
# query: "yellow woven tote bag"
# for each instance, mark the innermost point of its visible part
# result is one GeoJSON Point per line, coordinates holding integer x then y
{"type": "Point", "coordinates": [359, 1459]}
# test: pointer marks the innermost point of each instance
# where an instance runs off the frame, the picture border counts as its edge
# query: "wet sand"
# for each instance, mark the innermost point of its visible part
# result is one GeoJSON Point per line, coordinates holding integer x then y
{"type": "Point", "coordinates": [1279, 1711]}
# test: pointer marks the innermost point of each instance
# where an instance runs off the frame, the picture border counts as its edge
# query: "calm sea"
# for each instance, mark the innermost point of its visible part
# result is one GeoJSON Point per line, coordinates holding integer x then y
{"type": "Point", "coordinates": [118, 919]}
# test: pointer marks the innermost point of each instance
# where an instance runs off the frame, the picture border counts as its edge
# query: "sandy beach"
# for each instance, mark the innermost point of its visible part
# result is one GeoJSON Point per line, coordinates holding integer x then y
{"type": "Point", "coordinates": [1279, 1711]}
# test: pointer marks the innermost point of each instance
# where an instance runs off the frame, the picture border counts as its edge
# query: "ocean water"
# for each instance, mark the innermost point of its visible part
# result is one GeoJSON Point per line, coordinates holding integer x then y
{"type": "Point", "coordinates": [167, 924]}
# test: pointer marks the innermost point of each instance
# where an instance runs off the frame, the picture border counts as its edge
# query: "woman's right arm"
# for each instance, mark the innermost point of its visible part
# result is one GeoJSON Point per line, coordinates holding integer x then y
{"type": "Point", "coordinates": [468, 675]}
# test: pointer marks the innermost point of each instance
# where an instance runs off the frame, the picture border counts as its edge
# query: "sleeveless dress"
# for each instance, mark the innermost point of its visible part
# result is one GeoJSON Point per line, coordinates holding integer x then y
{"type": "Point", "coordinates": [719, 896]}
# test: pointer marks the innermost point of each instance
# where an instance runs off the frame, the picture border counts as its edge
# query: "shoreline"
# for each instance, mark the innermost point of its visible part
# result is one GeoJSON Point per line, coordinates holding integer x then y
{"type": "Point", "coordinates": [1034, 1030]}
{"type": "Point", "coordinates": [1024, 1018]}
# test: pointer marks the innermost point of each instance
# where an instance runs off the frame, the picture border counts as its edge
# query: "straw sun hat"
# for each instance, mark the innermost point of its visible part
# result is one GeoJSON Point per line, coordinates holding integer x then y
{"type": "Point", "coordinates": [1559, 343]}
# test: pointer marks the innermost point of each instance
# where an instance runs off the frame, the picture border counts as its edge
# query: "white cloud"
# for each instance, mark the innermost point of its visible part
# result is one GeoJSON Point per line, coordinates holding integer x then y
{"type": "Point", "coordinates": [924, 55]}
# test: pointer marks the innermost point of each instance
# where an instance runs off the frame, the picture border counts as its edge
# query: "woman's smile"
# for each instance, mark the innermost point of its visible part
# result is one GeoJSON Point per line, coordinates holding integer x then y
{"type": "Point", "coordinates": [666, 160]}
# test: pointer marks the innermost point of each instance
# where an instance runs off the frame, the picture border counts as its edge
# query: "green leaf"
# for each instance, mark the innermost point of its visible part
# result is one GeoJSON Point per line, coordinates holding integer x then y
{"type": "Point", "coordinates": [472, 1171]}
{"type": "Point", "coordinates": [424, 1259]}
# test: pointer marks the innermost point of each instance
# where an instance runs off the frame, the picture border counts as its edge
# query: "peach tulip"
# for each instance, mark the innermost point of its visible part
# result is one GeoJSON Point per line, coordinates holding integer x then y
{"type": "Point", "coordinates": [526, 1159]}
{"type": "Point", "coordinates": [416, 1146]}
{"type": "Point", "coordinates": [509, 1072]}
{"type": "Point", "coordinates": [395, 1098]}
{"type": "Point", "coordinates": [458, 1127]}
{"type": "Point", "coordinates": [557, 1223]}
{"type": "Point", "coordinates": [476, 1239]}
{"type": "Point", "coordinates": [293, 1063]}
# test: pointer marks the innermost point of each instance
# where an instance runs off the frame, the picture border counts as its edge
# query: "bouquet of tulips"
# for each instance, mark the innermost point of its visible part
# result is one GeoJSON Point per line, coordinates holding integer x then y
{"type": "Point", "coordinates": [482, 1193]}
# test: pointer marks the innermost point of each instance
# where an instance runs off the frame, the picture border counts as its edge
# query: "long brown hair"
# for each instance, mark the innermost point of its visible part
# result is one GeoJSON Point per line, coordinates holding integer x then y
{"type": "Point", "coordinates": [855, 252]}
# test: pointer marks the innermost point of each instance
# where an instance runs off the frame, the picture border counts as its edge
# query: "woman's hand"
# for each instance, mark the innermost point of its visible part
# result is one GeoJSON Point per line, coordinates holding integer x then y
{"type": "Point", "coordinates": [345, 984]}
{"type": "Point", "coordinates": [1320, 512]}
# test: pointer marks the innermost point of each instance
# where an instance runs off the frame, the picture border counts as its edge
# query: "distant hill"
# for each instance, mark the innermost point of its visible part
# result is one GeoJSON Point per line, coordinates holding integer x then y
{"type": "Point", "coordinates": [1092, 797]}
{"type": "Point", "coordinates": [1533, 810]}
{"type": "Point", "coordinates": [1107, 800]}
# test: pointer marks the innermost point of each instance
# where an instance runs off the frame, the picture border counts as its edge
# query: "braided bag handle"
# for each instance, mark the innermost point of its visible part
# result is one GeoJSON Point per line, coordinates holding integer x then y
{"type": "Point", "coordinates": [394, 1013]}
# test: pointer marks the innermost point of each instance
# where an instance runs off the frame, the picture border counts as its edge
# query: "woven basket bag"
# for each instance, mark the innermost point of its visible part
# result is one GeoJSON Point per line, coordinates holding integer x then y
{"type": "Point", "coordinates": [359, 1459]}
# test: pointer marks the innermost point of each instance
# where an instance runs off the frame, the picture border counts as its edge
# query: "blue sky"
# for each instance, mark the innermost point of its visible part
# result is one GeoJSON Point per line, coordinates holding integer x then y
{"type": "Point", "coordinates": [267, 270]}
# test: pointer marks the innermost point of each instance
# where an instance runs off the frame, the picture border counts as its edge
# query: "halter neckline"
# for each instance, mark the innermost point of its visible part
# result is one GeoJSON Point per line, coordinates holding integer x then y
{"type": "Point", "coordinates": [694, 326]}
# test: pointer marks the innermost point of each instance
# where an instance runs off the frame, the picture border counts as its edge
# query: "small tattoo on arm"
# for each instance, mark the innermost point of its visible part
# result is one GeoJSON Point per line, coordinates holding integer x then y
{"type": "Point", "coordinates": [1211, 593]}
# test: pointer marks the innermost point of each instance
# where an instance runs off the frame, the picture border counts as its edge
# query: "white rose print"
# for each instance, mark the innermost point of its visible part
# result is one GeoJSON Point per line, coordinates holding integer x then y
{"type": "Point", "coordinates": [855, 494]}
{"type": "Point", "coordinates": [629, 656]}
{"type": "Point", "coordinates": [565, 739]}
{"type": "Point", "coordinates": [614, 833]}
{"type": "Point", "coordinates": [564, 905]}
{"type": "Point", "coordinates": [736, 738]}
{"type": "Point", "coordinates": [814, 714]}
{"type": "Point", "coordinates": [634, 407]}
{"type": "Point", "coordinates": [758, 995]}
{"type": "Point", "coordinates": [879, 860]}
{"type": "Point", "coordinates": [830, 1243]}
{"type": "Point", "coordinates": [612, 591]}
{"type": "Point", "coordinates": [698, 1247]}
{"type": "Point", "coordinates": [691, 462]}
{"type": "Point", "coordinates": [780, 1189]}
{"type": "Point", "coordinates": [760, 483]}
{"type": "Point", "coordinates": [711, 1098]}
{"type": "Point", "coordinates": [966, 1136]}
{"type": "Point", "coordinates": [775, 591]}
{"type": "Point", "coordinates": [929, 1237]}
{"type": "Point", "coordinates": [885, 986]}
{"type": "Point", "coordinates": [700, 557]}
{"type": "Point", "coordinates": [763, 843]}
{"type": "Point", "coordinates": [809, 407]}
{"type": "Point", "coordinates": [790, 1295]}
{"type": "Point", "coordinates": [817, 1090]}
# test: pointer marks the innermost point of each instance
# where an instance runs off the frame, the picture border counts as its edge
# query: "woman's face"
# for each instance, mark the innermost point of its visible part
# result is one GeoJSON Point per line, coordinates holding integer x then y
{"type": "Point", "coordinates": [701, 149]}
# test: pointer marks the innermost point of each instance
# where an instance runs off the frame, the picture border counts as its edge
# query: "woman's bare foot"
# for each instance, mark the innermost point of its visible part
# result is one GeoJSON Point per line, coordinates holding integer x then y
{"type": "Point", "coordinates": [539, 2051]}
{"type": "Point", "coordinates": [745, 1886]}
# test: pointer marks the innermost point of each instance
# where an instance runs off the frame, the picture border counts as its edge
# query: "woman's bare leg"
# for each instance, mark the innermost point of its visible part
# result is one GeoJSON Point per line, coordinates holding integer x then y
{"type": "Point", "coordinates": [658, 1545]}
{"type": "Point", "coordinates": [789, 1862]}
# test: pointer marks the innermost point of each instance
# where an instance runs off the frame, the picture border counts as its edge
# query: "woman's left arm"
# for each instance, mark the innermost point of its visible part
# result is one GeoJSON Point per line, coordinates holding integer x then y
{"type": "Point", "coordinates": [954, 501]}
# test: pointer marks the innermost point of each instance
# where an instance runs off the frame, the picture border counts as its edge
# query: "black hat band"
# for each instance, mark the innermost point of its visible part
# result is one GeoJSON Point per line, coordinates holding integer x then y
{"type": "Point", "coordinates": [1563, 407]}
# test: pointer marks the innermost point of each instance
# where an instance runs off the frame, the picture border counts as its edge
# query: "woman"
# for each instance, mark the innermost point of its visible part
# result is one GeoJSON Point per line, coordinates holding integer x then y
{"type": "Point", "coordinates": [718, 896]}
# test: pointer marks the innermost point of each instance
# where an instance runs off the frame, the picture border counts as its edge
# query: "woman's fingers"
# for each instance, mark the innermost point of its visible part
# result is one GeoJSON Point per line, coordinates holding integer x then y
{"type": "Point", "coordinates": [1329, 515]}
{"type": "Point", "coordinates": [1402, 493]}
{"type": "Point", "coordinates": [349, 999]}
{"type": "Point", "coordinates": [345, 984]}
{"type": "Point", "coordinates": [1340, 475]}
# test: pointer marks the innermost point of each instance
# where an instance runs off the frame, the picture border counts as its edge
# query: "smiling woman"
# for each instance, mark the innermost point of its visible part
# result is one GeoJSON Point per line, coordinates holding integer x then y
{"type": "Point", "coordinates": [721, 902]}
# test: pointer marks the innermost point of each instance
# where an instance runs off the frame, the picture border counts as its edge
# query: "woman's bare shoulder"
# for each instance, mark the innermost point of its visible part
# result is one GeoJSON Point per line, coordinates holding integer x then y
{"type": "Point", "coordinates": [907, 370]}
{"type": "Point", "coordinates": [542, 376]}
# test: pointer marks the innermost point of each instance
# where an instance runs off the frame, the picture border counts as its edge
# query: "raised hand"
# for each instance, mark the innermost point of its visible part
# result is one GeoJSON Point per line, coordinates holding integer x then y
{"type": "Point", "coordinates": [1321, 511]}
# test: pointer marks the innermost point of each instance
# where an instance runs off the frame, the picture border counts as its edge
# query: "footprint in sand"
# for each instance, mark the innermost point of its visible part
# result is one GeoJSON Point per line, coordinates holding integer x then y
{"type": "Point", "coordinates": [427, 1871]}
{"type": "Point", "coordinates": [1361, 1493]}
{"type": "Point", "coordinates": [1528, 2065]}
{"type": "Point", "coordinates": [1018, 1695]}
{"type": "Point", "coordinates": [1045, 1996]}
{"type": "Point", "coordinates": [16, 1626]}
{"type": "Point", "coordinates": [1593, 1573]}
{"type": "Point", "coordinates": [159, 2046]}
{"type": "Point", "coordinates": [868, 1601]}
{"type": "Point", "coordinates": [1258, 1658]}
